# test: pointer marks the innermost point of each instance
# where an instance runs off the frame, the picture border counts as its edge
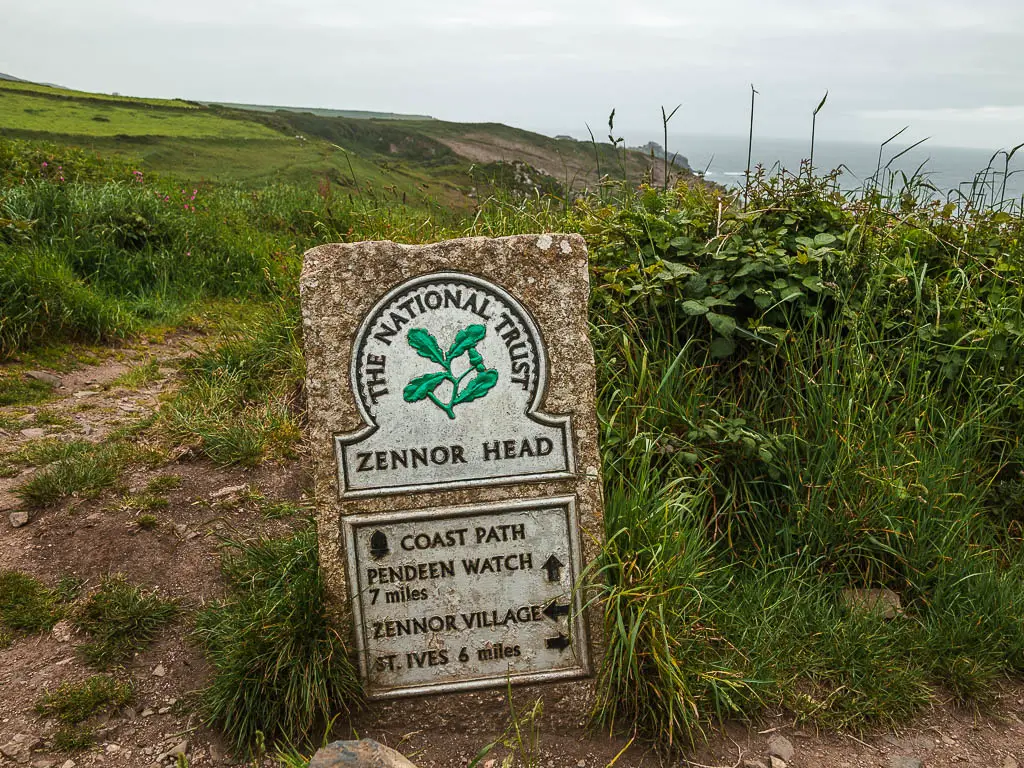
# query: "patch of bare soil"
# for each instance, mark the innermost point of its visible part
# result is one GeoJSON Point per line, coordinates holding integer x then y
{"type": "Point", "coordinates": [92, 538]}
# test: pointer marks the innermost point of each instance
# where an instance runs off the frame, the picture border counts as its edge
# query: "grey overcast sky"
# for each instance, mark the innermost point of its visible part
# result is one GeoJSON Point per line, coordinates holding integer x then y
{"type": "Point", "coordinates": [954, 70]}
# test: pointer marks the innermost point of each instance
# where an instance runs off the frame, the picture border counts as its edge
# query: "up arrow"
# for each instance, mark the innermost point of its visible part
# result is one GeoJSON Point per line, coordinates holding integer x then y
{"type": "Point", "coordinates": [554, 610]}
{"type": "Point", "coordinates": [553, 566]}
{"type": "Point", "coordinates": [559, 643]}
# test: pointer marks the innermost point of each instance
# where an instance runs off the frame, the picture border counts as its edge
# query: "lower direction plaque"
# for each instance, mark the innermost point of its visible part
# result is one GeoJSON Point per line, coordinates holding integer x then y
{"type": "Point", "coordinates": [467, 597]}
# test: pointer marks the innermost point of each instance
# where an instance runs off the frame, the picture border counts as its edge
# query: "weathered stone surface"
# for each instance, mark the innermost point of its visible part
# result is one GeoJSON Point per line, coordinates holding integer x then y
{"type": "Point", "coordinates": [43, 376]}
{"type": "Point", "coordinates": [365, 753]}
{"type": "Point", "coordinates": [19, 518]}
{"type": "Point", "coordinates": [884, 602]}
{"type": "Point", "coordinates": [348, 286]}
{"type": "Point", "coordinates": [780, 746]}
{"type": "Point", "coordinates": [33, 433]}
{"type": "Point", "coordinates": [228, 491]}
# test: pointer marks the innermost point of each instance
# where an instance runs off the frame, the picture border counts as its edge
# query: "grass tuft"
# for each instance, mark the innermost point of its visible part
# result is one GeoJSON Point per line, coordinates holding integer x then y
{"type": "Point", "coordinates": [147, 522]}
{"type": "Point", "coordinates": [18, 390]}
{"type": "Point", "coordinates": [280, 668]}
{"type": "Point", "coordinates": [120, 618]}
{"type": "Point", "coordinates": [74, 702]}
{"type": "Point", "coordinates": [83, 472]}
{"type": "Point", "coordinates": [163, 484]}
{"type": "Point", "coordinates": [139, 375]}
{"type": "Point", "coordinates": [74, 738]}
{"type": "Point", "coordinates": [26, 604]}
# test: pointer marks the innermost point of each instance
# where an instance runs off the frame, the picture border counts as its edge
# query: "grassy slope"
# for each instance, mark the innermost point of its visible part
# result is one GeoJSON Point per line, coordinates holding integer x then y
{"type": "Point", "coordinates": [422, 159]}
{"type": "Point", "coordinates": [359, 114]}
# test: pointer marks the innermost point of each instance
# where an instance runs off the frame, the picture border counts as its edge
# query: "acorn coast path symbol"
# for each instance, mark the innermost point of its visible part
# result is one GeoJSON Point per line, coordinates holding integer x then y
{"type": "Point", "coordinates": [423, 387]}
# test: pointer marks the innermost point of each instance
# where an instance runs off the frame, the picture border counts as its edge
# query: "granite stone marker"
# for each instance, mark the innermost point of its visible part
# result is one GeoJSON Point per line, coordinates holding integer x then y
{"type": "Point", "coordinates": [451, 396]}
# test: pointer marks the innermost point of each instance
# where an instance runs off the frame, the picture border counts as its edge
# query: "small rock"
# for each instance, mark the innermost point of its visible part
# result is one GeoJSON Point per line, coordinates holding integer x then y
{"type": "Point", "coordinates": [43, 376]}
{"type": "Point", "coordinates": [230, 490]}
{"type": "Point", "coordinates": [581, 764]}
{"type": "Point", "coordinates": [87, 429]}
{"type": "Point", "coordinates": [163, 710]}
{"type": "Point", "coordinates": [68, 764]}
{"type": "Point", "coordinates": [781, 747]}
{"type": "Point", "coordinates": [884, 602]}
{"type": "Point", "coordinates": [112, 749]}
{"type": "Point", "coordinates": [86, 393]}
{"type": "Point", "coordinates": [1010, 762]}
{"type": "Point", "coordinates": [903, 761]}
{"type": "Point", "coordinates": [159, 671]}
{"type": "Point", "coordinates": [42, 764]}
{"type": "Point", "coordinates": [147, 712]}
{"type": "Point", "coordinates": [181, 748]}
{"type": "Point", "coordinates": [33, 433]}
{"type": "Point", "coordinates": [19, 748]}
{"type": "Point", "coordinates": [359, 754]}
{"type": "Point", "coordinates": [19, 518]}
{"type": "Point", "coordinates": [777, 762]}
{"type": "Point", "coordinates": [63, 631]}
{"type": "Point", "coordinates": [753, 762]}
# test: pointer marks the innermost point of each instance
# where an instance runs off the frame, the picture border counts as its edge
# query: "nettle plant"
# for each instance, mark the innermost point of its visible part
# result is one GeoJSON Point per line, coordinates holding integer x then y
{"type": "Point", "coordinates": [754, 275]}
{"type": "Point", "coordinates": [425, 387]}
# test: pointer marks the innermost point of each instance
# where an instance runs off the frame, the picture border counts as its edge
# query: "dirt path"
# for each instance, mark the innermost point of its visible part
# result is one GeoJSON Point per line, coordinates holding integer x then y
{"type": "Point", "coordinates": [88, 539]}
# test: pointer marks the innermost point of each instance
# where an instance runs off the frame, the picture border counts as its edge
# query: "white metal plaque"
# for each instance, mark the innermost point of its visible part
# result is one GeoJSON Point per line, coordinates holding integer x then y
{"type": "Point", "coordinates": [467, 597]}
{"type": "Point", "coordinates": [449, 371]}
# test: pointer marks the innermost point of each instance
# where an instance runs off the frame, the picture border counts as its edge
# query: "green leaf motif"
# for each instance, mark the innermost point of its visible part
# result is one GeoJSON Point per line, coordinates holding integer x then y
{"type": "Point", "coordinates": [465, 339]}
{"type": "Point", "coordinates": [425, 344]}
{"type": "Point", "coordinates": [480, 385]}
{"type": "Point", "coordinates": [476, 359]}
{"type": "Point", "coordinates": [421, 386]}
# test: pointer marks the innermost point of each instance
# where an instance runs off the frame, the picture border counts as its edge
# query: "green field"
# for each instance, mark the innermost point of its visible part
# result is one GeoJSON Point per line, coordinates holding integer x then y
{"type": "Point", "coordinates": [38, 89]}
{"type": "Point", "coordinates": [26, 111]}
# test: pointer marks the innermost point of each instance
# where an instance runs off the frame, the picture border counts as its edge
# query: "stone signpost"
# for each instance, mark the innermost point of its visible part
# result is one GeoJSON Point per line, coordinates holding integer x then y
{"type": "Point", "coordinates": [451, 414]}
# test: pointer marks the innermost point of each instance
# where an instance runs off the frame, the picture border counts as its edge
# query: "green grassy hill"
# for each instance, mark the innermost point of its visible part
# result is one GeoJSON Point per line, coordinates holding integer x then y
{"type": "Point", "coordinates": [358, 114]}
{"type": "Point", "coordinates": [387, 155]}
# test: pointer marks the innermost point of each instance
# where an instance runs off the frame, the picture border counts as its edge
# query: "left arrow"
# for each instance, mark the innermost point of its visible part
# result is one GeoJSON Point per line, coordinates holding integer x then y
{"type": "Point", "coordinates": [553, 610]}
{"type": "Point", "coordinates": [559, 643]}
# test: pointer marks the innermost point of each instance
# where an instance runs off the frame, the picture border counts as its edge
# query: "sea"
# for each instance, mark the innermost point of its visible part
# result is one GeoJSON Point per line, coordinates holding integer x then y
{"type": "Point", "coordinates": [946, 168]}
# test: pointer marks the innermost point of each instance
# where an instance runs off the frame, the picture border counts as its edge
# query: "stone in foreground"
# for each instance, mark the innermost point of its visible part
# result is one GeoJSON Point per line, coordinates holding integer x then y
{"type": "Point", "coordinates": [451, 417]}
{"type": "Point", "coordinates": [365, 753]}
